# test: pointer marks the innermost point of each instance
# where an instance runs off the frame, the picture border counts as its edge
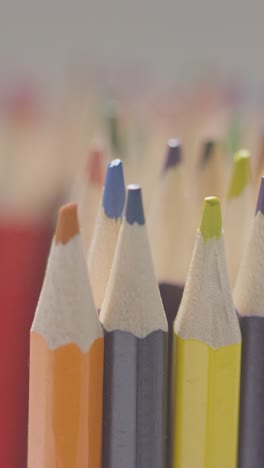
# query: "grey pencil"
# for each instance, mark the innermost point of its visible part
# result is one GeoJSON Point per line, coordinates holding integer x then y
{"type": "Point", "coordinates": [134, 424]}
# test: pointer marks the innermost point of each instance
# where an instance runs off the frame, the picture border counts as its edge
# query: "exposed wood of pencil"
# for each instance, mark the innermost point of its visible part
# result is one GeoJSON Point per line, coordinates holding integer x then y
{"type": "Point", "coordinates": [66, 360]}
{"type": "Point", "coordinates": [167, 220]}
{"type": "Point", "coordinates": [135, 352]}
{"type": "Point", "coordinates": [206, 356]}
{"type": "Point", "coordinates": [249, 302]}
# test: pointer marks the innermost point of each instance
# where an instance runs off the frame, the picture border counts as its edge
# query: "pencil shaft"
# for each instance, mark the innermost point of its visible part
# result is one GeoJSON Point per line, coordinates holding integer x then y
{"type": "Point", "coordinates": [171, 295]}
{"type": "Point", "coordinates": [206, 405]}
{"type": "Point", "coordinates": [134, 400]}
{"type": "Point", "coordinates": [251, 433]}
{"type": "Point", "coordinates": [65, 405]}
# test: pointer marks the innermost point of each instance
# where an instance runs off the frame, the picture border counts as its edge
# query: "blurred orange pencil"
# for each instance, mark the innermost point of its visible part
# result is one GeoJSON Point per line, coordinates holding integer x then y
{"type": "Point", "coordinates": [66, 360]}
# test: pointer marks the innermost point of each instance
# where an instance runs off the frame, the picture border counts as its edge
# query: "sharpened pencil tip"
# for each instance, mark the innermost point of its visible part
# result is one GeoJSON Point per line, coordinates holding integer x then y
{"type": "Point", "coordinates": [260, 202]}
{"type": "Point", "coordinates": [67, 224]}
{"type": "Point", "coordinates": [240, 177]}
{"type": "Point", "coordinates": [173, 154]}
{"type": "Point", "coordinates": [134, 207]}
{"type": "Point", "coordinates": [114, 191]}
{"type": "Point", "coordinates": [211, 221]}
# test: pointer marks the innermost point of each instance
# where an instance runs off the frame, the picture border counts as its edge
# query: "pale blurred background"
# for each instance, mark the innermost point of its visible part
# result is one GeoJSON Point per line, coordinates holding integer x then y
{"type": "Point", "coordinates": [166, 41]}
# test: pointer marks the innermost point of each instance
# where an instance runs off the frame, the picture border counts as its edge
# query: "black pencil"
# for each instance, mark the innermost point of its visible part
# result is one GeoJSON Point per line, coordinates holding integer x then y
{"type": "Point", "coordinates": [249, 301]}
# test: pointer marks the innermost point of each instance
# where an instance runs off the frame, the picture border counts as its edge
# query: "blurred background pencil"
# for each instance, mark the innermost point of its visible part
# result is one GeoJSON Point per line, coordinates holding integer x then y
{"type": "Point", "coordinates": [206, 361]}
{"type": "Point", "coordinates": [108, 222]}
{"type": "Point", "coordinates": [66, 359]}
{"type": "Point", "coordinates": [135, 368]}
{"type": "Point", "coordinates": [168, 228]}
{"type": "Point", "coordinates": [26, 215]}
{"type": "Point", "coordinates": [237, 211]}
{"type": "Point", "coordinates": [249, 301]}
{"type": "Point", "coordinates": [210, 173]}
{"type": "Point", "coordinates": [88, 190]}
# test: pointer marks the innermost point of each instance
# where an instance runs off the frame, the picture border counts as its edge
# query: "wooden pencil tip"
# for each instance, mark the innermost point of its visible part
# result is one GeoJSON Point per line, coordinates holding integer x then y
{"type": "Point", "coordinates": [134, 207]}
{"type": "Point", "coordinates": [211, 221]}
{"type": "Point", "coordinates": [67, 224]}
{"type": "Point", "coordinates": [260, 202]}
{"type": "Point", "coordinates": [173, 154]}
{"type": "Point", "coordinates": [240, 177]}
{"type": "Point", "coordinates": [114, 191]}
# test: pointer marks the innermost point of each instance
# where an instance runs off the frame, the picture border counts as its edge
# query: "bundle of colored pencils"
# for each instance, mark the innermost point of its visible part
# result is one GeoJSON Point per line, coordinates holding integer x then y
{"type": "Point", "coordinates": [135, 347]}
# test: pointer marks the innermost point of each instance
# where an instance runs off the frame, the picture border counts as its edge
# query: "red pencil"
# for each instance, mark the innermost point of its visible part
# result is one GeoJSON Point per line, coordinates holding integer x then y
{"type": "Point", "coordinates": [23, 252]}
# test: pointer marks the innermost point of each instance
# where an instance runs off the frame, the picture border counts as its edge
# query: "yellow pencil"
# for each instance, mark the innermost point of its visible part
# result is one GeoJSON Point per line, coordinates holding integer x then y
{"type": "Point", "coordinates": [206, 366]}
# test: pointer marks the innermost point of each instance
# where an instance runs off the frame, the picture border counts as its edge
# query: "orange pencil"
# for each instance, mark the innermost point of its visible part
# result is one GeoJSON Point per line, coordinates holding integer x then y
{"type": "Point", "coordinates": [66, 360]}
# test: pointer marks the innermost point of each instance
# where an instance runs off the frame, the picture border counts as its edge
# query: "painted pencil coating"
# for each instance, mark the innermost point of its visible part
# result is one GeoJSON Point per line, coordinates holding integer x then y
{"type": "Point", "coordinates": [248, 296]}
{"type": "Point", "coordinates": [171, 295]}
{"type": "Point", "coordinates": [260, 202]}
{"type": "Point", "coordinates": [135, 377]}
{"type": "Point", "coordinates": [207, 401]}
{"type": "Point", "coordinates": [135, 383]}
{"type": "Point", "coordinates": [62, 403]}
{"type": "Point", "coordinates": [251, 446]}
{"type": "Point", "coordinates": [23, 252]}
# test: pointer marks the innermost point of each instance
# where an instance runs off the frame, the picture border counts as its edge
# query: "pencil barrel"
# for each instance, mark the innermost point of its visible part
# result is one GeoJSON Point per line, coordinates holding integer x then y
{"type": "Point", "coordinates": [65, 412]}
{"type": "Point", "coordinates": [171, 295]}
{"type": "Point", "coordinates": [135, 382]}
{"type": "Point", "coordinates": [206, 403]}
{"type": "Point", "coordinates": [251, 432]}
{"type": "Point", "coordinates": [23, 253]}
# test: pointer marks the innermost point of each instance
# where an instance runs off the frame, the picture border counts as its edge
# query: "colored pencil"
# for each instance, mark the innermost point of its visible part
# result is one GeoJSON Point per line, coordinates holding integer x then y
{"type": "Point", "coordinates": [166, 225]}
{"type": "Point", "coordinates": [135, 370]}
{"type": "Point", "coordinates": [103, 244]}
{"type": "Point", "coordinates": [90, 192]}
{"type": "Point", "coordinates": [168, 229]}
{"type": "Point", "coordinates": [249, 301]}
{"type": "Point", "coordinates": [23, 252]}
{"type": "Point", "coordinates": [66, 360]}
{"type": "Point", "coordinates": [237, 212]}
{"type": "Point", "coordinates": [206, 356]}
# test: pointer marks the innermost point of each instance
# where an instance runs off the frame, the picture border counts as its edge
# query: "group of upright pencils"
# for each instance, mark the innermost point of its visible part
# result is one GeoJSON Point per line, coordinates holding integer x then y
{"type": "Point", "coordinates": [132, 369]}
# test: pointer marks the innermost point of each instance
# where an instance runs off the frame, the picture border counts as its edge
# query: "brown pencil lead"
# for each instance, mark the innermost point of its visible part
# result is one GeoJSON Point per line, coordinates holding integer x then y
{"type": "Point", "coordinates": [67, 225]}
